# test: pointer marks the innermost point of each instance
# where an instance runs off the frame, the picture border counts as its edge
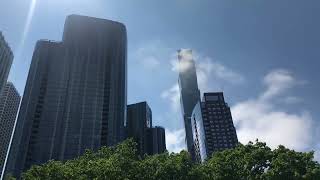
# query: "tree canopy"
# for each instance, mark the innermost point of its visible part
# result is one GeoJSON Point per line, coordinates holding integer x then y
{"type": "Point", "coordinates": [251, 161]}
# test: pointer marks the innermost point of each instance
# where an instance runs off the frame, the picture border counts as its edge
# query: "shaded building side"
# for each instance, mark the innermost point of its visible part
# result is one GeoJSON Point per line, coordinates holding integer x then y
{"type": "Point", "coordinates": [9, 105]}
{"type": "Point", "coordinates": [75, 95]}
{"type": "Point", "coordinates": [155, 140]}
{"type": "Point", "coordinates": [139, 119]}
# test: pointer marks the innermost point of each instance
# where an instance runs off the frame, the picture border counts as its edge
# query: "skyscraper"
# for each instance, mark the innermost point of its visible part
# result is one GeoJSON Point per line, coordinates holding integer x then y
{"type": "Point", "coordinates": [150, 140]}
{"type": "Point", "coordinates": [9, 104]}
{"type": "Point", "coordinates": [189, 92]}
{"type": "Point", "coordinates": [75, 95]}
{"type": "Point", "coordinates": [139, 119]}
{"type": "Point", "coordinates": [212, 126]}
{"type": "Point", "coordinates": [6, 58]}
{"type": "Point", "coordinates": [156, 140]}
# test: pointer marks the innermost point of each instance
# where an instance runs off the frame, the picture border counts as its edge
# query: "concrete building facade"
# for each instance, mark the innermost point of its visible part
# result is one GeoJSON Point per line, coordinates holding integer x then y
{"type": "Point", "coordinates": [212, 126]}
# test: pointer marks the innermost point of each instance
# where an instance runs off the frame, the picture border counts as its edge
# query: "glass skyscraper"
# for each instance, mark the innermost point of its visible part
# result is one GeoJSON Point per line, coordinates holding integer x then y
{"type": "Point", "coordinates": [156, 140]}
{"type": "Point", "coordinates": [139, 119]}
{"type": "Point", "coordinates": [75, 95]}
{"type": "Point", "coordinates": [212, 126]}
{"type": "Point", "coordinates": [6, 58]}
{"type": "Point", "coordinates": [189, 92]}
{"type": "Point", "coordinates": [9, 105]}
{"type": "Point", "coordinates": [150, 140]}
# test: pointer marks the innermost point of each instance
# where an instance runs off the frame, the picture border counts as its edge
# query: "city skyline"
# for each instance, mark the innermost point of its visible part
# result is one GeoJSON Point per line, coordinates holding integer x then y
{"type": "Point", "coordinates": [255, 56]}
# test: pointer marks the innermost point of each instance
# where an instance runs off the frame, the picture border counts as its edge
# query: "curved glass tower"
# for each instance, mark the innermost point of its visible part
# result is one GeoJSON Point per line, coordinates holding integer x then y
{"type": "Point", "coordinates": [75, 96]}
{"type": "Point", "coordinates": [189, 92]}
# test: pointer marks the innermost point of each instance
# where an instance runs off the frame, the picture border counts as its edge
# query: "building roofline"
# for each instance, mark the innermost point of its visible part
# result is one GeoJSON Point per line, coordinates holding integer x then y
{"type": "Point", "coordinates": [96, 18]}
{"type": "Point", "coordinates": [13, 86]}
{"type": "Point", "coordinates": [142, 102]}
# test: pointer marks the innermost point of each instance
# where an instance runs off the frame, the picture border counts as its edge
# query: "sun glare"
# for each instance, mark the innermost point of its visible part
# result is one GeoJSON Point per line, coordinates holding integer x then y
{"type": "Point", "coordinates": [28, 22]}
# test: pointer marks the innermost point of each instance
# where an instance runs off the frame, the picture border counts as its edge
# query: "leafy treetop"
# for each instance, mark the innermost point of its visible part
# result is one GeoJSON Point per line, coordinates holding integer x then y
{"type": "Point", "coordinates": [251, 161]}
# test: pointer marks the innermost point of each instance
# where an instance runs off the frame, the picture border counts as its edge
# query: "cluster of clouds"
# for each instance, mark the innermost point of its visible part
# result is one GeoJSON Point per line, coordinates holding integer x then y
{"type": "Point", "coordinates": [175, 140]}
{"type": "Point", "coordinates": [260, 117]}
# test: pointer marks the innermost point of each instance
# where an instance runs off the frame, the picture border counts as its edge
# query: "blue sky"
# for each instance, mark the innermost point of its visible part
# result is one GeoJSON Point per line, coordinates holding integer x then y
{"type": "Point", "coordinates": [264, 55]}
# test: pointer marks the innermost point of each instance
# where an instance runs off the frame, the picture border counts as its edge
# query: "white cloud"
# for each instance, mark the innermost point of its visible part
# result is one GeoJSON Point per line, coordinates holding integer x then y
{"type": "Point", "coordinates": [183, 62]}
{"type": "Point", "coordinates": [150, 62]}
{"type": "Point", "coordinates": [180, 67]}
{"type": "Point", "coordinates": [256, 119]}
{"type": "Point", "coordinates": [278, 81]}
{"type": "Point", "coordinates": [220, 71]}
{"type": "Point", "coordinates": [149, 54]}
{"type": "Point", "coordinates": [175, 140]}
{"type": "Point", "coordinates": [173, 94]}
{"type": "Point", "coordinates": [260, 118]}
{"type": "Point", "coordinates": [207, 68]}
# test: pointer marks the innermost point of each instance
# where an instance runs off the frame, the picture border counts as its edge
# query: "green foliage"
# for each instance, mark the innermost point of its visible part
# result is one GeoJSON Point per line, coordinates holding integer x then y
{"type": "Point", "coordinates": [166, 166]}
{"type": "Point", "coordinates": [251, 161]}
{"type": "Point", "coordinates": [258, 161]}
{"type": "Point", "coordinates": [9, 177]}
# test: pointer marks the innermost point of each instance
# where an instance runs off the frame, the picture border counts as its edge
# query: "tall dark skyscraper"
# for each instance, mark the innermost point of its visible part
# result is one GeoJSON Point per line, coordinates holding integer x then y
{"type": "Point", "coordinates": [6, 58]}
{"type": "Point", "coordinates": [212, 126]}
{"type": "Point", "coordinates": [75, 95]}
{"type": "Point", "coordinates": [139, 119]}
{"type": "Point", "coordinates": [189, 92]}
{"type": "Point", "coordinates": [9, 105]}
{"type": "Point", "coordinates": [150, 140]}
{"type": "Point", "coordinates": [155, 140]}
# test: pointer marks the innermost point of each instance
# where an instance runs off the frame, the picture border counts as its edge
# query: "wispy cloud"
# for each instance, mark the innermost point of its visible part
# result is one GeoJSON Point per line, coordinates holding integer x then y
{"type": "Point", "coordinates": [150, 62]}
{"type": "Point", "coordinates": [261, 118]}
{"type": "Point", "coordinates": [208, 68]}
{"type": "Point", "coordinates": [278, 81]}
{"type": "Point", "coordinates": [173, 95]}
{"type": "Point", "coordinates": [149, 54]}
{"type": "Point", "coordinates": [256, 119]}
{"type": "Point", "coordinates": [185, 63]}
{"type": "Point", "coordinates": [292, 100]}
{"type": "Point", "coordinates": [175, 140]}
